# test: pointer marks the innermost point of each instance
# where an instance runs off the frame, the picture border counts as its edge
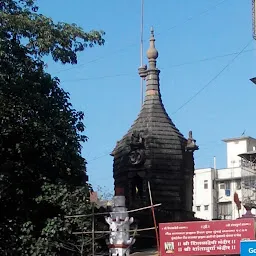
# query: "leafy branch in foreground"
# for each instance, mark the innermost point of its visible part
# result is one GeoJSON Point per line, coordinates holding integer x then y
{"type": "Point", "coordinates": [20, 20]}
{"type": "Point", "coordinates": [42, 173]}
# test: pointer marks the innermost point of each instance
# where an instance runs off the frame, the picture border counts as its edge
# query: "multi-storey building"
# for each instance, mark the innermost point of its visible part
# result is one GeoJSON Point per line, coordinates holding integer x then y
{"type": "Point", "coordinates": [214, 188]}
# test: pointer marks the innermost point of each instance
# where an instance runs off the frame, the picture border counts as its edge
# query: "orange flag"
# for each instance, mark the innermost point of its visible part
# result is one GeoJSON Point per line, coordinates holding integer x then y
{"type": "Point", "coordinates": [237, 201]}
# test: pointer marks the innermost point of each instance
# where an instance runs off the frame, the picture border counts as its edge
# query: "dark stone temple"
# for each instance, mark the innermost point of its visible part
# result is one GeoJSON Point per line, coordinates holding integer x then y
{"type": "Point", "coordinates": [154, 150]}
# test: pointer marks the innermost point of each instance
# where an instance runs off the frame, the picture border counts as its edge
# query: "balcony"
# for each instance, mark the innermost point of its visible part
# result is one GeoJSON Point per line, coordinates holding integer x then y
{"type": "Point", "coordinates": [229, 174]}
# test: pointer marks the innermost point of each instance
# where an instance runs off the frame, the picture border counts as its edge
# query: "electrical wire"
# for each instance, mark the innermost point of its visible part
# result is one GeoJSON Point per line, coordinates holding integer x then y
{"type": "Point", "coordinates": [172, 66]}
{"type": "Point", "coordinates": [210, 58]}
{"type": "Point", "coordinates": [212, 80]}
{"type": "Point", "coordinates": [135, 44]}
{"type": "Point", "coordinates": [95, 78]}
{"type": "Point", "coordinates": [98, 157]}
{"type": "Point", "coordinates": [198, 15]}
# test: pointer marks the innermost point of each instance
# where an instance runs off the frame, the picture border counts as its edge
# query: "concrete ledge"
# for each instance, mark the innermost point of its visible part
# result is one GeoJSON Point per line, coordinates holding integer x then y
{"type": "Point", "coordinates": [146, 253]}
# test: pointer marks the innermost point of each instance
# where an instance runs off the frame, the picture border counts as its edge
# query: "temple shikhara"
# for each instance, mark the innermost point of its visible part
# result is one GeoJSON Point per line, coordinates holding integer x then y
{"type": "Point", "coordinates": [155, 150]}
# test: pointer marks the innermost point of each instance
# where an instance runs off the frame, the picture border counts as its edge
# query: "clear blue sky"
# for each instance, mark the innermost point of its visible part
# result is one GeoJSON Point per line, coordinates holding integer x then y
{"type": "Point", "coordinates": [106, 86]}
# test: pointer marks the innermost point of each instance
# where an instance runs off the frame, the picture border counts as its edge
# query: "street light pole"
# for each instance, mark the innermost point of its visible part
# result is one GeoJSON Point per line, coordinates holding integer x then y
{"type": "Point", "coordinates": [253, 28]}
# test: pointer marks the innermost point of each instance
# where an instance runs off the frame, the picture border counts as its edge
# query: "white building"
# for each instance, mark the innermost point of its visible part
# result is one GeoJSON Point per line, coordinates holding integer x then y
{"type": "Point", "coordinates": [214, 189]}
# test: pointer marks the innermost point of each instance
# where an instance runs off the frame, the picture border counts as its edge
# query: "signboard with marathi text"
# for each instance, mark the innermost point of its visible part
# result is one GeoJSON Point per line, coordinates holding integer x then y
{"type": "Point", "coordinates": [205, 237]}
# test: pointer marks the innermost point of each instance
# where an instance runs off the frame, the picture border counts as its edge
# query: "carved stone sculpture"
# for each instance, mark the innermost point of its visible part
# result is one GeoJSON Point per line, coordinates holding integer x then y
{"type": "Point", "coordinates": [119, 224]}
{"type": "Point", "coordinates": [137, 149]}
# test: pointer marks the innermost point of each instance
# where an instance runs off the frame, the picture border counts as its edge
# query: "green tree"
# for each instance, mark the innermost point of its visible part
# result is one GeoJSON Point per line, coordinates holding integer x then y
{"type": "Point", "coordinates": [20, 20]}
{"type": "Point", "coordinates": [42, 173]}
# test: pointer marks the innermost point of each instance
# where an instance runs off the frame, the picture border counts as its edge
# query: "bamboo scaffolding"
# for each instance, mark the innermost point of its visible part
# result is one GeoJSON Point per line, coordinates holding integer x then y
{"type": "Point", "coordinates": [93, 229]}
{"type": "Point", "coordinates": [107, 231]}
{"type": "Point", "coordinates": [154, 218]}
{"type": "Point", "coordinates": [93, 214]}
{"type": "Point", "coordinates": [106, 213]}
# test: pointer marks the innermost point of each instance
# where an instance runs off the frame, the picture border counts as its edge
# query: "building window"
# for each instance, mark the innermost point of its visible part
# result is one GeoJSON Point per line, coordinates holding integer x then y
{"type": "Point", "coordinates": [238, 184]}
{"type": "Point", "coordinates": [233, 162]}
{"type": "Point", "coordinates": [206, 207]}
{"type": "Point", "coordinates": [227, 184]}
{"type": "Point", "coordinates": [222, 186]}
{"type": "Point", "coordinates": [225, 210]}
{"type": "Point", "coordinates": [198, 208]}
{"type": "Point", "coordinates": [205, 184]}
{"type": "Point", "coordinates": [227, 192]}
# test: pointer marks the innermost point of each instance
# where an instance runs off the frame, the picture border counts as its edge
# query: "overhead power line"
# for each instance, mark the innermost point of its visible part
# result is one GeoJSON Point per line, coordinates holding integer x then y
{"type": "Point", "coordinates": [198, 15]}
{"type": "Point", "coordinates": [172, 66]}
{"type": "Point", "coordinates": [99, 157]}
{"type": "Point", "coordinates": [95, 78]}
{"type": "Point", "coordinates": [213, 79]}
{"type": "Point", "coordinates": [135, 44]}
{"type": "Point", "coordinates": [210, 58]}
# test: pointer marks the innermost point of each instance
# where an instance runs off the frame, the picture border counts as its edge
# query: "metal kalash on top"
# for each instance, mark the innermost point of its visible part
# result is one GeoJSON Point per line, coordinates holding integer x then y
{"type": "Point", "coordinates": [119, 223]}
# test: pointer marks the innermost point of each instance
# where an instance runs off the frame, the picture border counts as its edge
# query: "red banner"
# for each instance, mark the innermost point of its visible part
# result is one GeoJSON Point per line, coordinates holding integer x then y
{"type": "Point", "coordinates": [221, 237]}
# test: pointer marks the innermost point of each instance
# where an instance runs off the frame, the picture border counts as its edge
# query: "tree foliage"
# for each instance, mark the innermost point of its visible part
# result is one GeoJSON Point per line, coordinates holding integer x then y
{"type": "Point", "coordinates": [20, 20]}
{"type": "Point", "coordinates": [42, 173]}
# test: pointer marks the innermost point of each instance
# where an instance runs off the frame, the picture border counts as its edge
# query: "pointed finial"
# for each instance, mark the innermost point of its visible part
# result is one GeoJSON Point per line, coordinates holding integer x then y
{"type": "Point", "coordinates": [152, 31]}
{"type": "Point", "coordinates": [152, 52]}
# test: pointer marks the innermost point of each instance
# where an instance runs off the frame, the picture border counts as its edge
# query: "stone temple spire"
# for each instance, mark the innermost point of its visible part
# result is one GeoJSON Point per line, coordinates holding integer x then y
{"type": "Point", "coordinates": [155, 150]}
{"type": "Point", "coordinates": [151, 74]}
{"type": "Point", "coordinates": [152, 52]}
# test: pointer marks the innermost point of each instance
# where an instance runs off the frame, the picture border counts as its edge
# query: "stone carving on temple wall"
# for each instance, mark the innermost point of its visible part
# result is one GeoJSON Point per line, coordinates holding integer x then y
{"type": "Point", "coordinates": [137, 148]}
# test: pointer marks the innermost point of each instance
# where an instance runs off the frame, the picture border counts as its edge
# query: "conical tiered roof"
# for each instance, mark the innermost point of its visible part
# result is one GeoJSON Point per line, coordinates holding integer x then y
{"type": "Point", "coordinates": [153, 117]}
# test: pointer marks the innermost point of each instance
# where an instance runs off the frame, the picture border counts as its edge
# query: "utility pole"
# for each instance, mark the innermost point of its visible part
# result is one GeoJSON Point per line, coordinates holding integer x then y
{"type": "Point", "coordinates": [254, 19]}
{"type": "Point", "coordinates": [141, 48]}
{"type": "Point", "coordinates": [254, 28]}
